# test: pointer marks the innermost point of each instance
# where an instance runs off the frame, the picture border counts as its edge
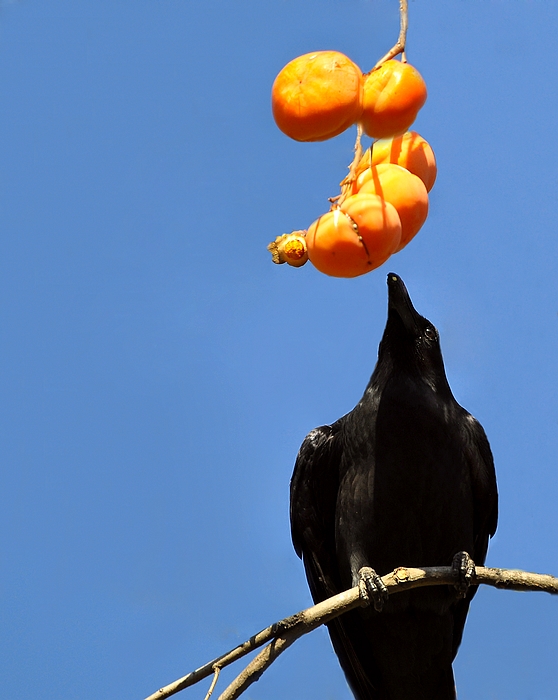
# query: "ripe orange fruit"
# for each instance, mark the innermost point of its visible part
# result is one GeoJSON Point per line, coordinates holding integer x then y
{"type": "Point", "coordinates": [405, 191]}
{"type": "Point", "coordinates": [355, 238]}
{"type": "Point", "coordinates": [317, 96]}
{"type": "Point", "coordinates": [392, 97]}
{"type": "Point", "coordinates": [409, 150]}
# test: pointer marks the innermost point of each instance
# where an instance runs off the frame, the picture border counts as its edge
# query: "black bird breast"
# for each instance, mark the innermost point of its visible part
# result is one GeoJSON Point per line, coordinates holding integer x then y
{"type": "Point", "coordinates": [405, 496]}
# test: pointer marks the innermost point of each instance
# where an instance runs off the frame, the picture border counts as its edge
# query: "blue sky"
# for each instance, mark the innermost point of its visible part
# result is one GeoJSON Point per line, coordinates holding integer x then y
{"type": "Point", "coordinates": [158, 373]}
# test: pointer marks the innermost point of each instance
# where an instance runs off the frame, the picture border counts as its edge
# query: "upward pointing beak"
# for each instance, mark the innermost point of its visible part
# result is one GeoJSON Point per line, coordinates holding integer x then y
{"type": "Point", "coordinates": [400, 304]}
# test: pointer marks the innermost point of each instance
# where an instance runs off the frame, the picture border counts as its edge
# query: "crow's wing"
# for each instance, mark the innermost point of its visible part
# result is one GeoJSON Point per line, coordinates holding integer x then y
{"type": "Point", "coordinates": [485, 499]}
{"type": "Point", "coordinates": [314, 491]}
{"type": "Point", "coordinates": [314, 488]}
{"type": "Point", "coordinates": [483, 482]}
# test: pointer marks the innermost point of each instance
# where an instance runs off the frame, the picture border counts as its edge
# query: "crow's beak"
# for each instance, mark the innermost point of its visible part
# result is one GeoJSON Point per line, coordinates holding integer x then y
{"type": "Point", "coordinates": [399, 302]}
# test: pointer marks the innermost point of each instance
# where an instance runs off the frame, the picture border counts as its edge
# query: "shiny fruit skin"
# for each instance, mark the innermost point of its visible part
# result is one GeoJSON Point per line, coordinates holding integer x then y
{"type": "Point", "coordinates": [405, 191]}
{"type": "Point", "coordinates": [392, 97]}
{"type": "Point", "coordinates": [409, 150]}
{"type": "Point", "coordinates": [337, 249]}
{"type": "Point", "coordinates": [317, 96]}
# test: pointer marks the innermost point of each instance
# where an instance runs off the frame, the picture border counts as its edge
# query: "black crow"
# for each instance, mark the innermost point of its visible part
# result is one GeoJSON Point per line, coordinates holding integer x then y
{"type": "Point", "coordinates": [405, 479]}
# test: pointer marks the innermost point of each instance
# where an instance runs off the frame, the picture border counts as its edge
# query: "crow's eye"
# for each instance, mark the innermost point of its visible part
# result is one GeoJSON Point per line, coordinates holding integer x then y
{"type": "Point", "coordinates": [430, 333]}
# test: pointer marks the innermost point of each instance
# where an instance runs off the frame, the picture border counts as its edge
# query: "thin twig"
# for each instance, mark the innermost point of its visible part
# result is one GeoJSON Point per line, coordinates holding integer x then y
{"type": "Point", "coordinates": [286, 631]}
{"type": "Point", "coordinates": [213, 682]}
{"type": "Point", "coordinates": [226, 659]}
{"type": "Point", "coordinates": [399, 47]}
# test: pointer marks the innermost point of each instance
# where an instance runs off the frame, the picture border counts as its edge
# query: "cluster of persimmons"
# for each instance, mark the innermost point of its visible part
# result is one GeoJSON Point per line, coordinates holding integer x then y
{"type": "Point", "coordinates": [384, 199]}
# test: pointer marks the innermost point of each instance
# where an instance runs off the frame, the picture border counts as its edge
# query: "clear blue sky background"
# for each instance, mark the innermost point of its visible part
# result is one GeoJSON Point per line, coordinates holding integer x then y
{"type": "Point", "coordinates": [158, 373]}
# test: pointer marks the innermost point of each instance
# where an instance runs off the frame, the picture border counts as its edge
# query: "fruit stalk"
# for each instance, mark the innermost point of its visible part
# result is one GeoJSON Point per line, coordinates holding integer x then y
{"type": "Point", "coordinates": [399, 47]}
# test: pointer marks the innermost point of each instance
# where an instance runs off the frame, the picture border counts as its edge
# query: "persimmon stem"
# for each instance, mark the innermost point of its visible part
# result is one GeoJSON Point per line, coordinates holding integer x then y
{"type": "Point", "coordinates": [399, 47]}
{"type": "Point", "coordinates": [347, 184]}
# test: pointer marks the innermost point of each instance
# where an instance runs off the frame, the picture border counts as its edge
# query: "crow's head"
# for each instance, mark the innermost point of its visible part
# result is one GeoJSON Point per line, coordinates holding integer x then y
{"type": "Point", "coordinates": [410, 342]}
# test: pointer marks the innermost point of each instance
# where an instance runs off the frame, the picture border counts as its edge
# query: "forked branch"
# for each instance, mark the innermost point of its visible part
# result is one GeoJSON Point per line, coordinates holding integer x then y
{"type": "Point", "coordinates": [283, 633]}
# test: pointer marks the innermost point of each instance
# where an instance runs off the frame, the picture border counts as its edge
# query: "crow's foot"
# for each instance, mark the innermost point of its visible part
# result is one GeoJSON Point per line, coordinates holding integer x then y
{"type": "Point", "coordinates": [464, 568]}
{"type": "Point", "coordinates": [372, 588]}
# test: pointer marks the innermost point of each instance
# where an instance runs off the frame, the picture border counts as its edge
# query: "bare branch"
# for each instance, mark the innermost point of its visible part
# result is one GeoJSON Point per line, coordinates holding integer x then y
{"type": "Point", "coordinates": [258, 665]}
{"type": "Point", "coordinates": [286, 631]}
{"type": "Point", "coordinates": [220, 662]}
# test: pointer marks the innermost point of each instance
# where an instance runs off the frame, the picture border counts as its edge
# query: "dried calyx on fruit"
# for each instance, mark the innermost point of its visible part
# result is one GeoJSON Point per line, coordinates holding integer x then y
{"type": "Point", "coordinates": [289, 248]}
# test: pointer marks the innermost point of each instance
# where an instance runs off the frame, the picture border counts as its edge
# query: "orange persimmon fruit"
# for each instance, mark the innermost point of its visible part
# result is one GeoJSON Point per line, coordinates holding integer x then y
{"type": "Point", "coordinates": [409, 150]}
{"type": "Point", "coordinates": [392, 97]}
{"type": "Point", "coordinates": [405, 191]}
{"type": "Point", "coordinates": [354, 238]}
{"type": "Point", "coordinates": [317, 96]}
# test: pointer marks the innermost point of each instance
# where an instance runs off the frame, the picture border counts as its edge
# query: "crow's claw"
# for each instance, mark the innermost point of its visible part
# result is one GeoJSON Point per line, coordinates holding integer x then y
{"type": "Point", "coordinates": [464, 568]}
{"type": "Point", "coordinates": [372, 588]}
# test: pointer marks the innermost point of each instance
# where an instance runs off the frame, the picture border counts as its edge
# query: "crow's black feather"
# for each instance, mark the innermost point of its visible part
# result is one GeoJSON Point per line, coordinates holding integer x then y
{"type": "Point", "coordinates": [405, 479]}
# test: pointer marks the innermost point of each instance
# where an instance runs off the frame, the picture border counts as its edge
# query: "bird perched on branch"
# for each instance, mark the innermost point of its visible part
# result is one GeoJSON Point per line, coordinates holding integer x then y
{"type": "Point", "coordinates": [405, 479]}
